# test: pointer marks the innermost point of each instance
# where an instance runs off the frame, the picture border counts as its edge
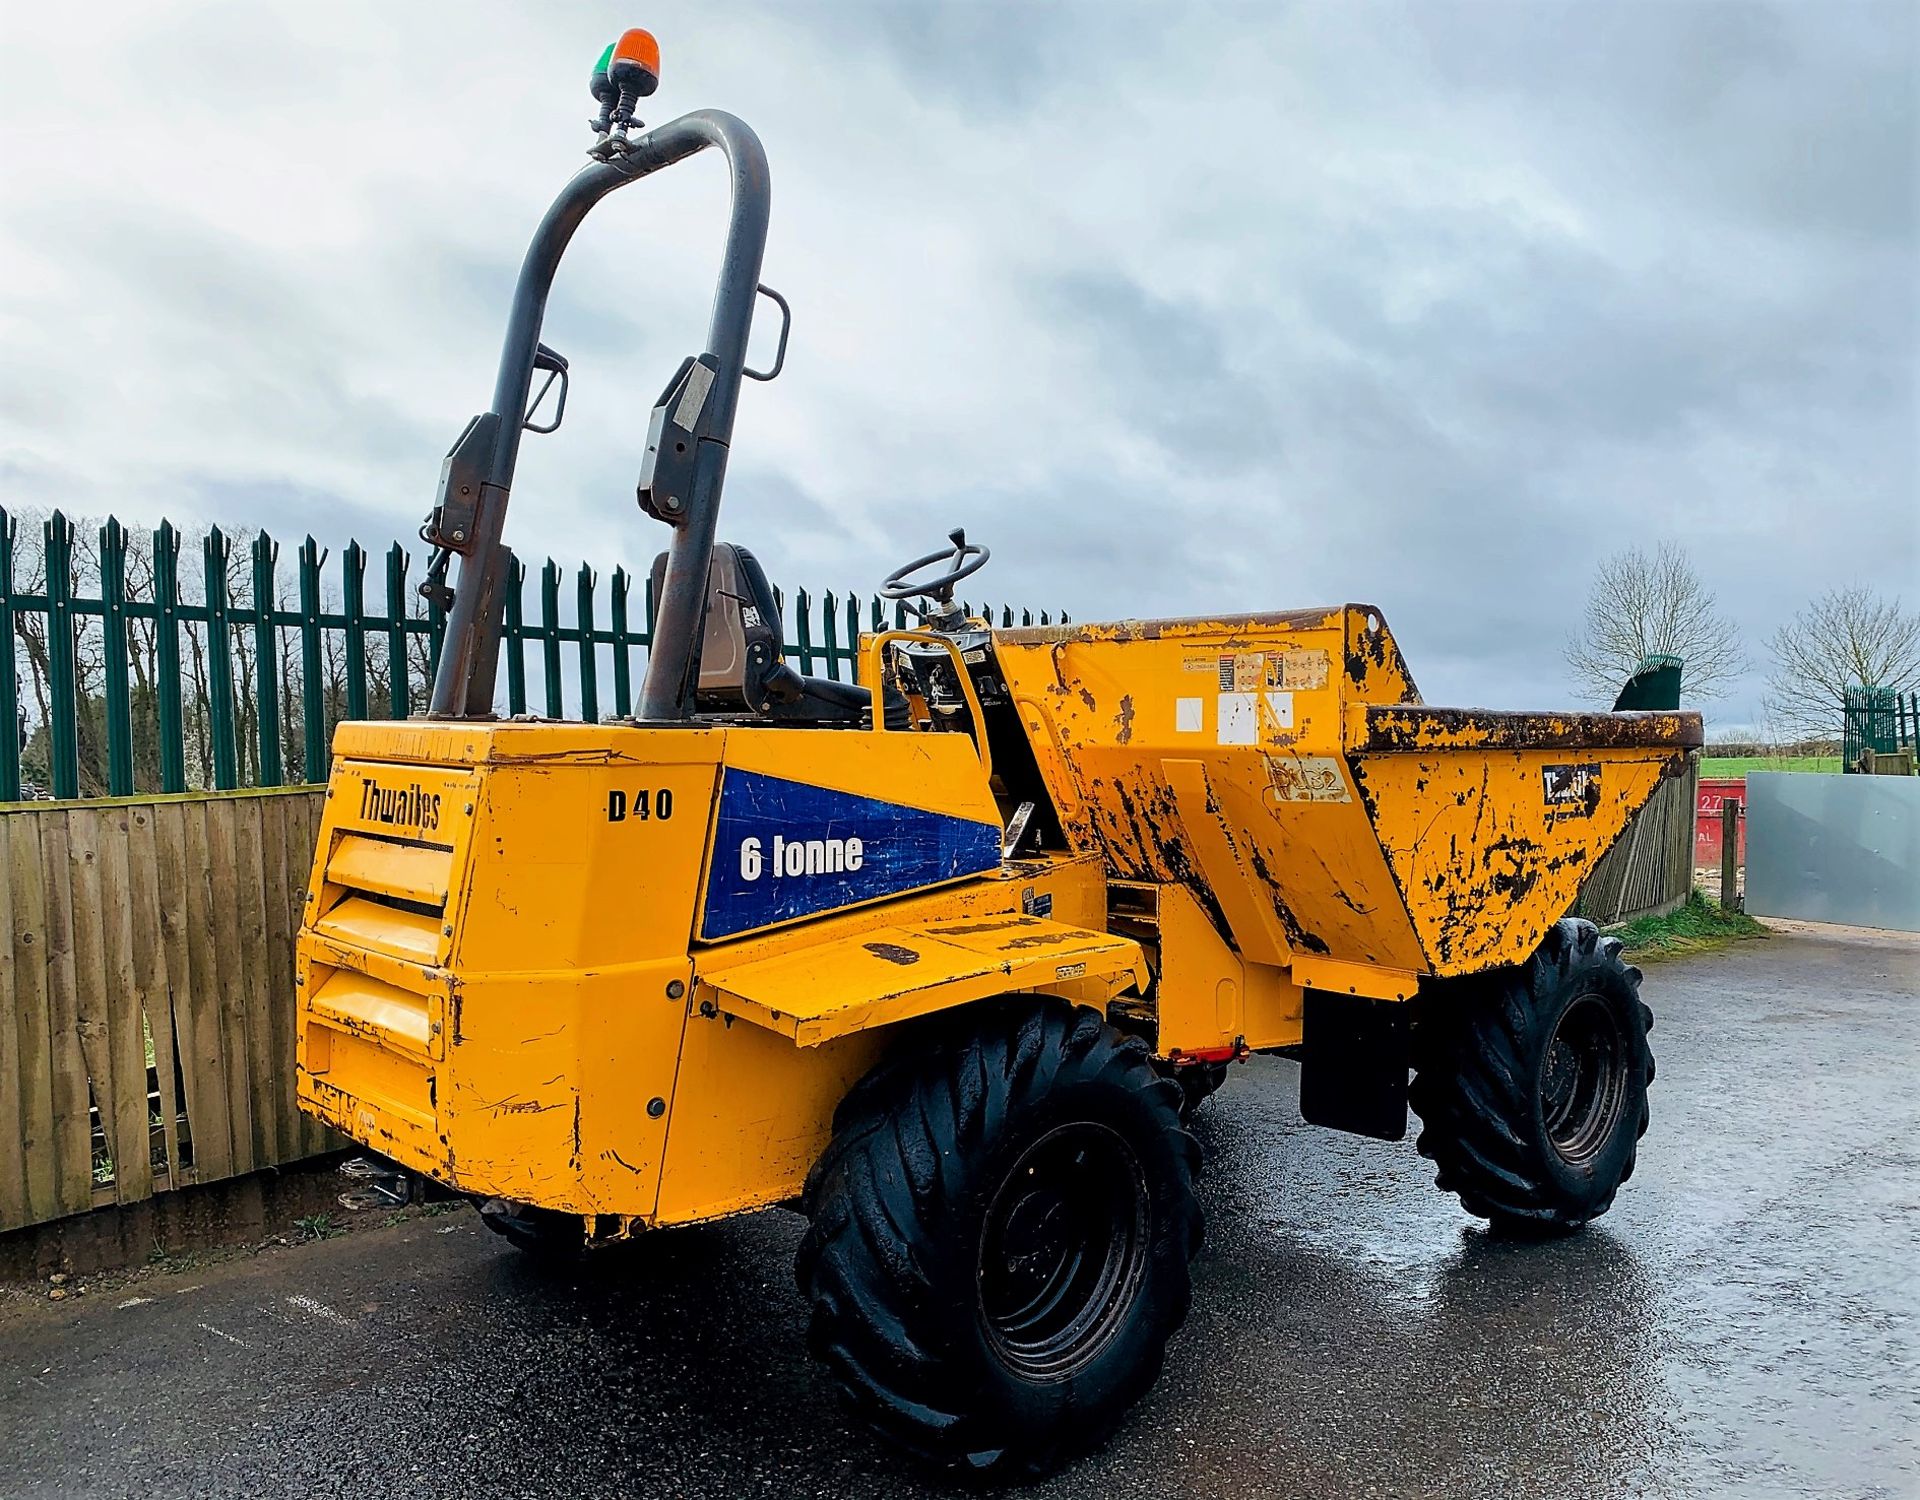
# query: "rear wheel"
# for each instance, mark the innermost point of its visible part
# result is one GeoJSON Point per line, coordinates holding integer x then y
{"type": "Point", "coordinates": [999, 1239]}
{"type": "Point", "coordinates": [1532, 1083]}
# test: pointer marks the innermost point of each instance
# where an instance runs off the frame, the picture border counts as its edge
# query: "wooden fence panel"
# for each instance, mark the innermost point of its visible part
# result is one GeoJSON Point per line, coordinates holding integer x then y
{"type": "Point", "coordinates": [251, 974]}
{"type": "Point", "coordinates": [207, 1104]}
{"type": "Point", "coordinates": [274, 977]}
{"type": "Point", "coordinates": [170, 857]}
{"type": "Point", "coordinates": [1649, 872]}
{"type": "Point", "coordinates": [72, 1121]}
{"type": "Point", "coordinates": [13, 1143]}
{"type": "Point", "coordinates": [33, 1061]}
{"type": "Point", "coordinates": [147, 1003]}
{"type": "Point", "coordinates": [156, 997]}
{"type": "Point", "coordinates": [126, 1010]}
{"type": "Point", "coordinates": [90, 993]}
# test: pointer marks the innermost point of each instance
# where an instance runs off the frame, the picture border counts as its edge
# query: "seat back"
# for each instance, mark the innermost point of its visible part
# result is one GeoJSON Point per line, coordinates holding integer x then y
{"type": "Point", "coordinates": [740, 646]}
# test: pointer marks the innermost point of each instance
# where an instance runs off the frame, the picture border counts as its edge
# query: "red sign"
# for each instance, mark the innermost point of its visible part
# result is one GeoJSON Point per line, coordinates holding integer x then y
{"type": "Point", "coordinates": [1715, 793]}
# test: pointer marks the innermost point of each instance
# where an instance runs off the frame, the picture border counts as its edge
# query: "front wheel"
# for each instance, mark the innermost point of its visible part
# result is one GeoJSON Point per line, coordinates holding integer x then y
{"type": "Point", "coordinates": [1532, 1083]}
{"type": "Point", "coordinates": [999, 1239]}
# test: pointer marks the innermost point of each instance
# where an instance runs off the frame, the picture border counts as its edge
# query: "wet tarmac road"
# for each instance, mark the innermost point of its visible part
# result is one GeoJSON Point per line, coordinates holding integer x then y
{"type": "Point", "coordinates": [1745, 1322]}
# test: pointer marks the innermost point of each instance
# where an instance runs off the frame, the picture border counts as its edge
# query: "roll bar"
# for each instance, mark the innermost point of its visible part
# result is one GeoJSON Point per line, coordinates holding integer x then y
{"type": "Point", "coordinates": [470, 652]}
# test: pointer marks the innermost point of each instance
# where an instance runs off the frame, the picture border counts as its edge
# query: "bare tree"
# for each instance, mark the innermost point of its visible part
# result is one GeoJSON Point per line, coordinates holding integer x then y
{"type": "Point", "coordinates": [1849, 637]}
{"type": "Point", "coordinates": [1654, 604]}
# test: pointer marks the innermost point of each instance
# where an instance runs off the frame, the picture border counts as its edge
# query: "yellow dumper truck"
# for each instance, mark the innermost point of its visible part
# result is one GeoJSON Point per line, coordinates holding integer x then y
{"type": "Point", "coordinates": [944, 959]}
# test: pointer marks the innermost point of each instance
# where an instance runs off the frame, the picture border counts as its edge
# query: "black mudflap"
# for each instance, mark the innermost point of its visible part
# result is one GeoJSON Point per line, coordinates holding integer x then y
{"type": "Point", "coordinates": [1355, 1055]}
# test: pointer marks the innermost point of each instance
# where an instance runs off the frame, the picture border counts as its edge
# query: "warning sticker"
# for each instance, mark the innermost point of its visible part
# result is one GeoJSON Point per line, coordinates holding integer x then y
{"type": "Point", "coordinates": [1243, 672]}
{"type": "Point", "coordinates": [1299, 670]}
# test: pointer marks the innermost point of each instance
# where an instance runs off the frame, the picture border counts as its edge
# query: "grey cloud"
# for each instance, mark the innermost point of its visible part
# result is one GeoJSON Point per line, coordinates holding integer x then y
{"type": "Point", "coordinates": [1225, 306]}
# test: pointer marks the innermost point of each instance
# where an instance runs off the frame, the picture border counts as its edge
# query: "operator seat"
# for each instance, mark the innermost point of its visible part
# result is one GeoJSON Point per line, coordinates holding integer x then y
{"type": "Point", "coordinates": [741, 667]}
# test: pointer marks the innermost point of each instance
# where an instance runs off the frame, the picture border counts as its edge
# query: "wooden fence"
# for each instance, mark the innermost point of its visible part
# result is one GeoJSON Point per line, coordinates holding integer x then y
{"type": "Point", "coordinates": [146, 996]}
{"type": "Point", "coordinates": [1650, 871]}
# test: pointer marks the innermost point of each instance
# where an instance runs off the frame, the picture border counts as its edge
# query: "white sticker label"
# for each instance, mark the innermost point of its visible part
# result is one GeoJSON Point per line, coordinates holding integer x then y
{"type": "Point", "coordinates": [1239, 722]}
{"type": "Point", "coordinates": [693, 396]}
{"type": "Point", "coordinates": [1189, 715]}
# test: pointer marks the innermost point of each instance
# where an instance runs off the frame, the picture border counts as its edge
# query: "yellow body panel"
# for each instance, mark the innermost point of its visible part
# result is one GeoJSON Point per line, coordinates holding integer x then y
{"type": "Point", "coordinates": [827, 990]}
{"type": "Point", "coordinates": [497, 978]}
{"type": "Point", "coordinates": [1208, 996]}
{"type": "Point", "coordinates": [1485, 865]}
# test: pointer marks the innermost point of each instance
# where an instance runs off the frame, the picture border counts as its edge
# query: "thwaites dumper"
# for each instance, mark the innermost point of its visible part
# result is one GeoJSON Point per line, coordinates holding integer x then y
{"type": "Point", "coordinates": [945, 959]}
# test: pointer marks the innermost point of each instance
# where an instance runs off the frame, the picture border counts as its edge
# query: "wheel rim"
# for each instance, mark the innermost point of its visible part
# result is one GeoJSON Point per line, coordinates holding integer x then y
{"type": "Point", "coordinates": [1063, 1251]}
{"type": "Point", "coordinates": [1583, 1079]}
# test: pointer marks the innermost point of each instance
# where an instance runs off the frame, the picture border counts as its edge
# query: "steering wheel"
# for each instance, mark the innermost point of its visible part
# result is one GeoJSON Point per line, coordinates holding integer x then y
{"type": "Point", "coordinates": [963, 560]}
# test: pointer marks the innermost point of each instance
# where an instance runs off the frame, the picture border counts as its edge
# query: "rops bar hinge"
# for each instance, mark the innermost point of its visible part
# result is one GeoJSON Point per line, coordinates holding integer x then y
{"type": "Point", "coordinates": [450, 525]}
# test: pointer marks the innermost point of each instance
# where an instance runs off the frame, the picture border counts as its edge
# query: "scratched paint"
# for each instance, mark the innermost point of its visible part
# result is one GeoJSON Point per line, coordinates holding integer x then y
{"type": "Point", "coordinates": [1375, 829]}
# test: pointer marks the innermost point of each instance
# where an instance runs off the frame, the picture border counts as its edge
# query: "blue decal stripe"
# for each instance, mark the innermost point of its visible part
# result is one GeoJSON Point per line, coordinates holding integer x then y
{"type": "Point", "coordinates": [789, 849]}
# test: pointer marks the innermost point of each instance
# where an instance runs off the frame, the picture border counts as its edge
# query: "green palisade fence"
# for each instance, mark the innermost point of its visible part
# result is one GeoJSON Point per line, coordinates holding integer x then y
{"type": "Point", "coordinates": [129, 684]}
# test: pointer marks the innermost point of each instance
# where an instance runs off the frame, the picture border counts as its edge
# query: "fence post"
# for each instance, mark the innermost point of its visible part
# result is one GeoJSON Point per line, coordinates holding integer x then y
{"type": "Point", "coordinates": [399, 700]}
{"type": "Point", "coordinates": [62, 738]}
{"type": "Point", "coordinates": [113, 628]}
{"type": "Point", "coordinates": [166, 666]}
{"type": "Point", "coordinates": [217, 550]}
{"type": "Point", "coordinates": [436, 633]}
{"type": "Point", "coordinates": [622, 673]}
{"type": "Point", "coordinates": [353, 590]}
{"type": "Point", "coordinates": [266, 552]}
{"type": "Point", "coordinates": [589, 662]}
{"type": "Point", "coordinates": [1730, 854]}
{"type": "Point", "coordinates": [550, 637]}
{"type": "Point", "coordinates": [830, 631]}
{"type": "Point", "coordinates": [515, 631]}
{"type": "Point", "coordinates": [9, 673]}
{"type": "Point", "coordinates": [313, 703]}
{"type": "Point", "coordinates": [803, 632]}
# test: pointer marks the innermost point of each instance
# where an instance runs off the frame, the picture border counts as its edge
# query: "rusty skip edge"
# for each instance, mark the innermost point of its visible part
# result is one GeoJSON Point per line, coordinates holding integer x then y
{"type": "Point", "coordinates": [1153, 630]}
{"type": "Point", "coordinates": [1402, 727]}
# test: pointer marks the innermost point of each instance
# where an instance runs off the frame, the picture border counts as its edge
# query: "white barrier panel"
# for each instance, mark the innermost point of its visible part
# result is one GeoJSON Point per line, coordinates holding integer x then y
{"type": "Point", "coordinates": [1834, 848]}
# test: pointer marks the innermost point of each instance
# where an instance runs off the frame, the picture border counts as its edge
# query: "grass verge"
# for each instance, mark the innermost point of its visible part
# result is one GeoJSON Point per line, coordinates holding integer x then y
{"type": "Point", "coordinates": [1697, 927]}
{"type": "Point", "coordinates": [1739, 765]}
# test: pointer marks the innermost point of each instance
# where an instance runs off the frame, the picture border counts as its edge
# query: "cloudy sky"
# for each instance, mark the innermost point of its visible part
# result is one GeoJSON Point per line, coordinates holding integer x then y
{"type": "Point", "coordinates": [1178, 308]}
